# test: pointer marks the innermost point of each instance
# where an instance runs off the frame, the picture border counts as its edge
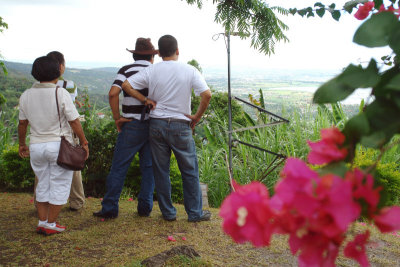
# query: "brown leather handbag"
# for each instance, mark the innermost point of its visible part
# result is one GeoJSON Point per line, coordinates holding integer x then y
{"type": "Point", "coordinates": [70, 157]}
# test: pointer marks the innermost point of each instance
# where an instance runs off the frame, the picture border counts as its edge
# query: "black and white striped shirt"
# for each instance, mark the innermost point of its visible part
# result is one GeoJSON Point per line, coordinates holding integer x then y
{"type": "Point", "coordinates": [131, 107]}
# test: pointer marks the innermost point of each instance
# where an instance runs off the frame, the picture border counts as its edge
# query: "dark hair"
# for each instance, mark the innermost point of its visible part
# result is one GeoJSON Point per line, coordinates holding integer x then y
{"type": "Point", "coordinates": [142, 57]}
{"type": "Point", "coordinates": [45, 69]}
{"type": "Point", "coordinates": [57, 56]}
{"type": "Point", "coordinates": [167, 45]}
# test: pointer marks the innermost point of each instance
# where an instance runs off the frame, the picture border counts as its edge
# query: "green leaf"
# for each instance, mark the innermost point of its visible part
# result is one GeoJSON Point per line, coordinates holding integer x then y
{"type": "Point", "coordinates": [320, 12]}
{"type": "Point", "coordinates": [249, 119]}
{"type": "Point", "coordinates": [358, 77]}
{"type": "Point", "coordinates": [394, 40]}
{"type": "Point", "coordinates": [332, 6]}
{"type": "Point", "coordinates": [302, 12]}
{"type": "Point", "coordinates": [209, 136]}
{"type": "Point", "coordinates": [356, 127]}
{"type": "Point", "coordinates": [382, 113]}
{"type": "Point", "coordinates": [319, 4]}
{"type": "Point", "coordinates": [353, 77]}
{"type": "Point", "coordinates": [396, 98]}
{"type": "Point", "coordinates": [381, 89]}
{"type": "Point", "coordinates": [336, 15]}
{"type": "Point", "coordinates": [394, 83]}
{"type": "Point", "coordinates": [337, 168]}
{"type": "Point", "coordinates": [378, 3]}
{"type": "Point", "coordinates": [292, 11]}
{"type": "Point", "coordinates": [376, 31]}
{"type": "Point", "coordinates": [332, 91]}
{"type": "Point", "coordinates": [348, 6]}
{"type": "Point", "coordinates": [375, 140]}
{"type": "Point", "coordinates": [383, 119]}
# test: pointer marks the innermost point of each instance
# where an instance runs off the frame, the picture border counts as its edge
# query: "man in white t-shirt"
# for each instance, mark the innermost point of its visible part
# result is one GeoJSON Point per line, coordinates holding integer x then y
{"type": "Point", "coordinates": [170, 86]}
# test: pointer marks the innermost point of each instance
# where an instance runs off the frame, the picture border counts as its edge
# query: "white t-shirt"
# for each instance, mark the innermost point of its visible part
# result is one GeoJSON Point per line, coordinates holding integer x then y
{"type": "Point", "coordinates": [170, 84]}
{"type": "Point", "coordinates": [38, 106]}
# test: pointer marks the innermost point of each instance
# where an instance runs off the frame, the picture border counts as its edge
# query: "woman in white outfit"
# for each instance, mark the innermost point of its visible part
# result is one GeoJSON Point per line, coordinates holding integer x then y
{"type": "Point", "coordinates": [38, 108]}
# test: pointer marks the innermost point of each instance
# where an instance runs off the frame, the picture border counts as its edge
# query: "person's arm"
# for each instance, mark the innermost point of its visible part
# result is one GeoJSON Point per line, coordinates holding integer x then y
{"type": "Point", "coordinates": [205, 100]}
{"type": "Point", "coordinates": [23, 149]}
{"type": "Point", "coordinates": [127, 87]}
{"type": "Point", "coordinates": [77, 128]}
{"type": "Point", "coordinates": [113, 99]}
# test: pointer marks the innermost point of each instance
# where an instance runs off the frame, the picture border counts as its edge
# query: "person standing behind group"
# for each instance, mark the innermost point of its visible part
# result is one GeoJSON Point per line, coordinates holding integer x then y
{"type": "Point", "coordinates": [38, 108]}
{"type": "Point", "coordinates": [77, 193]}
{"type": "Point", "coordinates": [170, 86]}
{"type": "Point", "coordinates": [133, 137]}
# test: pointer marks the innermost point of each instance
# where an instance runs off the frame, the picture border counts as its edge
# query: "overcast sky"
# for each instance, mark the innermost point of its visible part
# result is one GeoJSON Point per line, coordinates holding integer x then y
{"type": "Point", "coordinates": [95, 33]}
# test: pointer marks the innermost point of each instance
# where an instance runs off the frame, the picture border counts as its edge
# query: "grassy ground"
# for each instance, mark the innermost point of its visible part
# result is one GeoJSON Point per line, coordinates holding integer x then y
{"type": "Point", "coordinates": [129, 239]}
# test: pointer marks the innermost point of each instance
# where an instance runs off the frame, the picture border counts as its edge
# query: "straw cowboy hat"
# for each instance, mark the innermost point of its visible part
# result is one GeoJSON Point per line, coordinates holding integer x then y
{"type": "Point", "coordinates": [144, 47]}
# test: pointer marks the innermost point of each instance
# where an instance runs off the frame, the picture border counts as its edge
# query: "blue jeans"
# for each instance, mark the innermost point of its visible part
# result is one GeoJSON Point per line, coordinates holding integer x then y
{"type": "Point", "coordinates": [167, 136]}
{"type": "Point", "coordinates": [133, 138]}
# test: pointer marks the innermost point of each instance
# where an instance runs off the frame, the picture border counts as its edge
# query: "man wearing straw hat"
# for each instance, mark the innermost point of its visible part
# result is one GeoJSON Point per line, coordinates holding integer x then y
{"type": "Point", "coordinates": [133, 128]}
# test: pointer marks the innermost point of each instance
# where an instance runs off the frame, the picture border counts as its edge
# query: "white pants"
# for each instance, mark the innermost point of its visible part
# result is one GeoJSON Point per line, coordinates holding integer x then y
{"type": "Point", "coordinates": [54, 182]}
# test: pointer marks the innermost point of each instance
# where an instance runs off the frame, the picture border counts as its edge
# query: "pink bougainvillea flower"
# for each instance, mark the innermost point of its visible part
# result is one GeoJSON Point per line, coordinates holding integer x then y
{"type": "Point", "coordinates": [247, 216]}
{"type": "Point", "coordinates": [130, 199]}
{"type": "Point", "coordinates": [337, 209]}
{"type": "Point", "coordinates": [101, 199]}
{"type": "Point", "coordinates": [171, 238]}
{"type": "Point", "coordinates": [31, 200]}
{"type": "Point", "coordinates": [389, 9]}
{"type": "Point", "coordinates": [102, 219]}
{"type": "Point", "coordinates": [356, 249]}
{"type": "Point", "coordinates": [296, 178]}
{"type": "Point", "coordinates": [332, 135]}
{"type": "Point", "coordinates": [315, 249]}
{"type": "Point", "coordinates": [388, 220]}
{"type": "Point", "coordinates": [183, 238]}
{"type": "Point", "coordinates": [327, 149]}
{"type": "Point", "coordinates": [363, 188]}
{"type": "Point", "coordinates": [364, 10]}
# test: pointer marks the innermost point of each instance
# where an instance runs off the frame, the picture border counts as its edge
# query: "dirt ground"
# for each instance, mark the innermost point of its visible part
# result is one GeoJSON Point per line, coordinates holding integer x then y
{"type": "Point", "coordinates": [130, 239]}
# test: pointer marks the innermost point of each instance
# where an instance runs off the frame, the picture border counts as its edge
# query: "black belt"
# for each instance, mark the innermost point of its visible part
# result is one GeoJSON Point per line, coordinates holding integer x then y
{"type": "Point", "coordinates": [172, 120]}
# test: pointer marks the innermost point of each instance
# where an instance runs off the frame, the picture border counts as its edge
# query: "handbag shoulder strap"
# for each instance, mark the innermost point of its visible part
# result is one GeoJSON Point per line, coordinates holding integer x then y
{"type": "Point", "coordinates": [58, 110]}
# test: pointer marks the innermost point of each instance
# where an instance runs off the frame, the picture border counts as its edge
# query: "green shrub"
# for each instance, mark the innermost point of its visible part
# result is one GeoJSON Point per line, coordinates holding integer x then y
{"type": "Point", "coordinates": [176, 181]}
{"type": "Point", "coordinates": [134, 178]}
{"type": "Point", "coordinates": [15, 172]}
{"type": "Point", "coordinates": [102, 138]}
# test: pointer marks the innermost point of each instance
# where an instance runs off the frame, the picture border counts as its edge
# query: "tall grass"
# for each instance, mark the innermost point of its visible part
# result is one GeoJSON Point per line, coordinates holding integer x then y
{"type": "Point", "coordinates": [250, 164]}
{"type": "Point", "coordinates": [8, 128]}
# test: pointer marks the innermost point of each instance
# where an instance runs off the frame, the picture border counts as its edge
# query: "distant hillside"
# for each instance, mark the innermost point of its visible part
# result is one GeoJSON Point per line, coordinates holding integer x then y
{"type": "Point", "coordinates": [244, 81]}
{"type": "Point", "coordinates": [106, 69]}
{"type": "Point", "coordinates": [97, 81]}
